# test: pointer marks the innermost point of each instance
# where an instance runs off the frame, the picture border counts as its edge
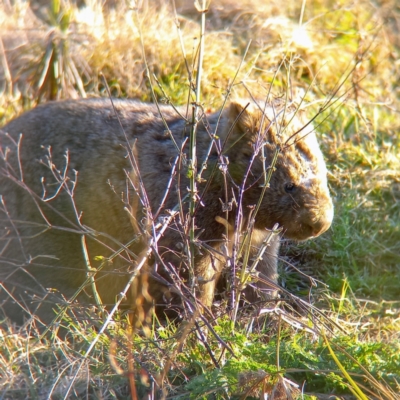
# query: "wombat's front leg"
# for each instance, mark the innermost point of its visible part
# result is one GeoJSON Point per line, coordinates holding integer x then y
{"type": "Point", "coordinates": [267, 268]}
{"type": "Point", "coordinates": [207, 272]}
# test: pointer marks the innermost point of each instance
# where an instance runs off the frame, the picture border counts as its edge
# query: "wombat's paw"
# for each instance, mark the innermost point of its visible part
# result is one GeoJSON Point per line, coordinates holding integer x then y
{"type": "Point", "coordinates": [259, 295]}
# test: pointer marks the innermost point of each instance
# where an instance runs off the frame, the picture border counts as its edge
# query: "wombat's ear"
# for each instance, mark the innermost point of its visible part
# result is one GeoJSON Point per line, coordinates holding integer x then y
{"type": "Point", "coordinates": [245, 114]}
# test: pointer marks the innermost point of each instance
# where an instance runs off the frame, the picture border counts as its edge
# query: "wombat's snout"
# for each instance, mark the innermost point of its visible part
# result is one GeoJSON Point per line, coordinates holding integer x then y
{"type": "Point", "coordinates": [317, 226]}
{"type": "Point", "coordinates": [322, 225]}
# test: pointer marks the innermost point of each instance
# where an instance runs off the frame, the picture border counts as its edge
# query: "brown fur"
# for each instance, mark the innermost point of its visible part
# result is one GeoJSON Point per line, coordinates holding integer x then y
{"type": "Point", "coordinates": [42, 225]}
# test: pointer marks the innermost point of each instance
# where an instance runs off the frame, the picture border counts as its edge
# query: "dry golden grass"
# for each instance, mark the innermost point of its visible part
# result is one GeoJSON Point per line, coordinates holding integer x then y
{"type": "Point", "coordinates": [324, 46]}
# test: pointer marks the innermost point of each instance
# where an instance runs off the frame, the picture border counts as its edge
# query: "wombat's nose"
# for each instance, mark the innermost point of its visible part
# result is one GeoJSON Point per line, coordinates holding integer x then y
{"type": "Point", "coordinates": [320, 228]}
{"type": "Point", "coordinates": [323, 224]}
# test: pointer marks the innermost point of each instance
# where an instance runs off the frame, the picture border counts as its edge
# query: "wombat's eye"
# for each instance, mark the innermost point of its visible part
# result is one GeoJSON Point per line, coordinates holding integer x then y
{"type": "Point", "coordinates": [289, 187]}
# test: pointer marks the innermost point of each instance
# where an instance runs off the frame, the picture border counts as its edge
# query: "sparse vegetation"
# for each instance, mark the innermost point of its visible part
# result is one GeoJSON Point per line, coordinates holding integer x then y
{"type": "Point", "coordinates": [345, 283]}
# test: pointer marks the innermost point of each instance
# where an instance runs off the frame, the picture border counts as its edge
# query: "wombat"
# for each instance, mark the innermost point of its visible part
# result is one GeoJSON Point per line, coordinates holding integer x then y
{"type": "Point", "coordinates": [79, 183]}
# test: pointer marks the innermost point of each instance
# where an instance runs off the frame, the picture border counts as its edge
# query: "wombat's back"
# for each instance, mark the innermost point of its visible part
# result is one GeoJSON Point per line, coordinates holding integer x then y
{"type": "Point", "coordinates": [62, 179]}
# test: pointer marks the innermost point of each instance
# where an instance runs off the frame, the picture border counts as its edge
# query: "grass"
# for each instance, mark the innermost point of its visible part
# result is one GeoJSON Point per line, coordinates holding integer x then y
{"type": "Point", "coordinates": [353, 269]}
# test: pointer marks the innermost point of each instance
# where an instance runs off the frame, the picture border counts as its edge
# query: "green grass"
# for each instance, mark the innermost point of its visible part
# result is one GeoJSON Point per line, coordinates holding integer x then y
{"type": "Point", "coordinates": [356, 263]}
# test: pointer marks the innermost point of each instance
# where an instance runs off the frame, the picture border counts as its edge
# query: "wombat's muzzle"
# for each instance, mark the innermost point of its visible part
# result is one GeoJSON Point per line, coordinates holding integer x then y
{"type": "Point", "coordinates": [317, 223]}
{"type": "Point", "coordinates": [309, 223]}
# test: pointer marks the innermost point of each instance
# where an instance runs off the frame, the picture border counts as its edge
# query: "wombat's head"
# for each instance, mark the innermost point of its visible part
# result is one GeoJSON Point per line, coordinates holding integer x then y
{"type": "Point", "coordinates": [297, 197]}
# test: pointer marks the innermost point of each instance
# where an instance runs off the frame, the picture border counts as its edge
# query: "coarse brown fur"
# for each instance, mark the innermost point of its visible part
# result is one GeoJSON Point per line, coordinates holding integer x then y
{"type": "Point", "coordinates": [70, 175]}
